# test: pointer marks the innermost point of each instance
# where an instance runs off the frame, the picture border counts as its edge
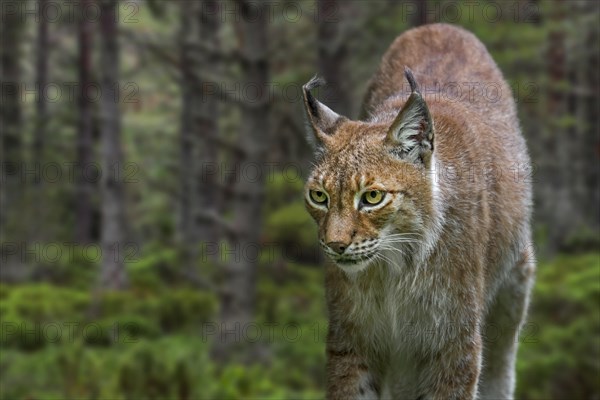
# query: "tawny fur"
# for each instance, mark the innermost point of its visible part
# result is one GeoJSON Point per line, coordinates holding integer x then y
{"type": "Point", "coordinates": [446, 257]}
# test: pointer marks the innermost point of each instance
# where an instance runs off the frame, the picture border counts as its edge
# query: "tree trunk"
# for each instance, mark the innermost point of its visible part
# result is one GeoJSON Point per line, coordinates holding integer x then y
{"type": "Point", "coordinates": [42, 114]}
{"type": "Point", "coordinates": [592, 123]}
{"type": "Point", "coordinates": [199, 125]}
{"type": "Point", "coordinates": [11, 32]}
{"type": "Point", "coordinates": [558, 206]}
{"type": "Point", "coordinates": [208, 130]}
{"type": "Point", "coordinates": [187, 197]}
{"type": "Point", "coordinates": [585, 146]}
{"type": "Point", "coordinates": [333, 53]}
{"type": "Point", "coordinates": [113, 233]}
{"type": "Point", "coordinates": [84, 188]}
{"type": "Point", "coordinates": [239, 289]}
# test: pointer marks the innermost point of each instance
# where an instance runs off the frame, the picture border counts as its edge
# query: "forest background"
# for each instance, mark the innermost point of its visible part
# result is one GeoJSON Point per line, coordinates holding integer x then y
{"type": "Point", "coordinates": [154, 242]}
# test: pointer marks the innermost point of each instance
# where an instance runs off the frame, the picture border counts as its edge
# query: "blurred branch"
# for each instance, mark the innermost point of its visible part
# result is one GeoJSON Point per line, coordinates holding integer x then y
{"type": "Point", "coordinates": [214, 218]}
{"type": "Point", "coordinates": [199, 282]}
{"type": "Point", "coordinates": [207, 51]}
{"type": "Point", "coordinates": [225, 144]}
{"type": "Point", "coordinates": [353, 31]}
{"type": "Point", "coordinates": [156, 49]}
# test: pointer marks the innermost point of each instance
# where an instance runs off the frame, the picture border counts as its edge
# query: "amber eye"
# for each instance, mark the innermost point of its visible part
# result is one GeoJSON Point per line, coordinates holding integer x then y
{"type": "Point", "coordinates": [372, 197]}
{"type": "Point", "coordinates": [318, 196]}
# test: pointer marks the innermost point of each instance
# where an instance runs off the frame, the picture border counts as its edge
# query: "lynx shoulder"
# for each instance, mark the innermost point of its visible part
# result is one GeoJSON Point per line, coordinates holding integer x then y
{"type": "Point", "coordinates": [423, 207]}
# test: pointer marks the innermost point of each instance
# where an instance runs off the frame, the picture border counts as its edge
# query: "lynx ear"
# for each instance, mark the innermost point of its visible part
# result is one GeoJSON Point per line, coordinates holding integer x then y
{"type": "Point", "coordinates": [410, 136]}
{"type": "Point", "coordinates": [321, 119]}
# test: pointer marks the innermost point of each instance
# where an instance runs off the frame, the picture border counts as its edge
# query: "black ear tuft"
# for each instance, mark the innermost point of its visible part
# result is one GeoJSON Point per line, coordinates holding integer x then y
{"type": "Point", "coordinates": [314, 82]}
{"type": "Point", "coordinates": [321, 119]}
{"type": "Point", "coordinates": [414, 87]}
{"type": "Point", "coordinates": [311, 103]}
{"type": "Point", "coordinates": [410, 136]}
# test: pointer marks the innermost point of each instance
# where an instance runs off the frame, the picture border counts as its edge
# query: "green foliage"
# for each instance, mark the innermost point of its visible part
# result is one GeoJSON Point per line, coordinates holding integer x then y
{"type": "Point", "coordinates": [148, 344]}
{"type": "Point", "coordinates": [292, 224]}
{"type": "Point", "coordinates": [182, 308]}
{"type": "Point", "coordinates": [168, 309]}
{"type": "Point", "coordinates": [302, 290]}
{"type": "Point", "coordinates": [582, 240]}
{"type": "Point", "coordinates": [283, 187]}
{"type": "Point", "coordinates": [287, 224]}
{"type": "Point", "coordinates": [34, 315]}
{"type": "Point", "coordinates": [147, 371]}
{"type": "Point", "coordinates": [172, 367]}
{"type": "Point", "coordinates": [560, 346]}
{"type": "Point", "coordinates": [155, 265]}
{"type": "Point", "coordinates": [67, 263]}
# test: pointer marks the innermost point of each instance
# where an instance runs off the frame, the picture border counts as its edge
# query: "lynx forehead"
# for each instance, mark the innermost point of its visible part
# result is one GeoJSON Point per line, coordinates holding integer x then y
{"type": "Point", "coordinates": [407, 249]}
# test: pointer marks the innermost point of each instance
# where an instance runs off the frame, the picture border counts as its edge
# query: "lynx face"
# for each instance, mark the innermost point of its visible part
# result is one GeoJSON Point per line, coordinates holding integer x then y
{"type": "Point", "coordinates": [368, 203]}
{"type": "Point", "coordinates": [370, 192]}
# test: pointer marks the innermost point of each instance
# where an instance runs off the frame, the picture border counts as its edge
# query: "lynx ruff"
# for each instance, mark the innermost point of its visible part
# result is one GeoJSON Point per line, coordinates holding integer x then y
{"type": "Point", "coordinates": [423, 267]}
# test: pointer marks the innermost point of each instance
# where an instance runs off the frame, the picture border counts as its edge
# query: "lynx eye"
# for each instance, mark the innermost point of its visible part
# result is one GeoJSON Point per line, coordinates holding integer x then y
{"type": "Point", "coordinates": [318, 196]}
{"type": "Point", "coordinates": [372, 197]}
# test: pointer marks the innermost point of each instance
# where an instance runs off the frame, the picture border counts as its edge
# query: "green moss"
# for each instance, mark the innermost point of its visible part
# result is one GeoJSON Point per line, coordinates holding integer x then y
{"type": "Point", "coordinates": [292, 224]}
{"type": "Point", "coordinates": [560, 351]}
{"type": "Point", "coordinates": [150, 343]}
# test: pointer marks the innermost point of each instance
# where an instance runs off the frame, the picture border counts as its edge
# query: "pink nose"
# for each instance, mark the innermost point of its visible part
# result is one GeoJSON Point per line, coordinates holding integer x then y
{"type": "Point", "coordinates": [338, 247]}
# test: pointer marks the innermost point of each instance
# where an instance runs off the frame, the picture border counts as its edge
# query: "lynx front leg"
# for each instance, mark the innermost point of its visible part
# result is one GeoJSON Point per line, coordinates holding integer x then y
{"type": "Point", "coordinates": [453, 373]}
{"type": "Point", "coordinates": [502, 329]}
{"type": "Point", "coordinates": [348, 377]}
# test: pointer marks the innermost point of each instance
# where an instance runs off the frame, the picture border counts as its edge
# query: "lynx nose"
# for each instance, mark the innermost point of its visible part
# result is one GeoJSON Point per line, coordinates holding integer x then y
{"type": "Point", "coordinates": [338, 247]}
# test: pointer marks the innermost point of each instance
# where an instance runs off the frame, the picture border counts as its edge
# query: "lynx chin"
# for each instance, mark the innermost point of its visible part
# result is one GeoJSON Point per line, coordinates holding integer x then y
{"type": "Point", "coordinates": [426, 220]}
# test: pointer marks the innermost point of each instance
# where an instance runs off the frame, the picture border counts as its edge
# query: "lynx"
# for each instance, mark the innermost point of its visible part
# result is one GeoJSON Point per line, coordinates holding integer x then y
{"type": "Point", "coordinates": [424, 209]}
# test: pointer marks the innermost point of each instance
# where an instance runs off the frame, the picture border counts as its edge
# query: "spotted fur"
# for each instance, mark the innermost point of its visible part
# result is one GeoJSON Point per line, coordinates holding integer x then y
{"type": "Point", "coordinates": [417, 280]}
